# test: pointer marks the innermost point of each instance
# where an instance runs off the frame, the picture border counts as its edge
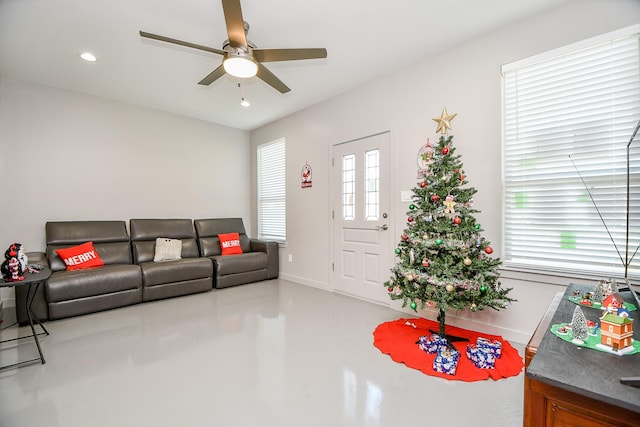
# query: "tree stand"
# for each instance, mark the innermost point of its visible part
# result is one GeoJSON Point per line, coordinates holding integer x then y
{"type": "Point", "coordinates": [450, 338]}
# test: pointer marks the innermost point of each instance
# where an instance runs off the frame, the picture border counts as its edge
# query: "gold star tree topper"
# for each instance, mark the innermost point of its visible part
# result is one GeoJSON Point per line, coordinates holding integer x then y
{"type": "Point", "coordinates": [444, 121]}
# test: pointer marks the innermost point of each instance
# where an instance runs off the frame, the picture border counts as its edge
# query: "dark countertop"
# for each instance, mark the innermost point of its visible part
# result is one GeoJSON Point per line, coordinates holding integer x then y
{"type": "Point", "coordinates": [584, 371]}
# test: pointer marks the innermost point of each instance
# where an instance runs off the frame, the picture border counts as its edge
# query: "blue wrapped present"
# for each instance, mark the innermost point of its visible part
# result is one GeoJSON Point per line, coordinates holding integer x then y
{"type": "Point", "coordinates": [446, 361]}
{"type": "Point", "coordinates": [493, 346]}
{"type": "Point", "coordinates": [432, 344]}
{"type": "Point", "coordinates": [481, 357]}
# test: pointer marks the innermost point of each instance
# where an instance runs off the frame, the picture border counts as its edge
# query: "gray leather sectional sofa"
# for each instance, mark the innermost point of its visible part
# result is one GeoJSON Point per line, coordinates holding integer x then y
{"type": "Point", "coordinates": [130, 275]}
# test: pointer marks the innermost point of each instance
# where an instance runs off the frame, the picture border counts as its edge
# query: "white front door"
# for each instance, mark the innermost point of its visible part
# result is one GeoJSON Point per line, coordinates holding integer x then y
{"type": "Point", "coordinates": [362, 255]}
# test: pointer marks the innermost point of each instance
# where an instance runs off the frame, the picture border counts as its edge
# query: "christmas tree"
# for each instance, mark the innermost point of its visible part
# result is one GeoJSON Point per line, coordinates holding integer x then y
{"type": "Point", "coordinates": [443, 258]}
{"type": "Point", "coordinates": [579, 327]}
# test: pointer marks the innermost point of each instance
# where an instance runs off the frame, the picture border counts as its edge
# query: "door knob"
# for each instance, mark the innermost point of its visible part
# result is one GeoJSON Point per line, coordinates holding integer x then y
{"type": "Point", "coordinates": [384, 227]}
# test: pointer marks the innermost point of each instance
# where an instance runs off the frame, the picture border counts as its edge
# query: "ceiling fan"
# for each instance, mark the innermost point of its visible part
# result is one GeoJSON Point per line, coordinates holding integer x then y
{"type": "Point", "coordinates": [241, 57]}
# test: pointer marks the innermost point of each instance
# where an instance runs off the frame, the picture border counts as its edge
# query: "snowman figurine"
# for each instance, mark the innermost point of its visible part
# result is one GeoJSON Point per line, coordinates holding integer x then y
{"type": "Point", "coordinates": [15, 263]}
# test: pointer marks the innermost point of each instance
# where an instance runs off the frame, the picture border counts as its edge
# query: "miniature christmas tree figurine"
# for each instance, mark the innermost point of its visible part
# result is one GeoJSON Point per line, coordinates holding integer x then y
{"type": "Point", "coordinates": [579, 328]}
{"type": "Point", "coordinates": [597, 295]}
{"type": "Point", "coordinates": [443, 259]}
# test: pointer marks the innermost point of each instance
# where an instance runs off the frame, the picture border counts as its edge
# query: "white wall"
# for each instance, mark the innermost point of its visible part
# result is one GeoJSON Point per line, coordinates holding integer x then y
{"type": "Point", "coordinates": [67, 156]}
{"type": "Point", "coordinates": [467, 81]}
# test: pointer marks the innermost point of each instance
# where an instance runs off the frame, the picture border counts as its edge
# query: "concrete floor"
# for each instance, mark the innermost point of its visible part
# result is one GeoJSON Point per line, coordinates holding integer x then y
{"type": "Point", "coordinates": [266, 354]}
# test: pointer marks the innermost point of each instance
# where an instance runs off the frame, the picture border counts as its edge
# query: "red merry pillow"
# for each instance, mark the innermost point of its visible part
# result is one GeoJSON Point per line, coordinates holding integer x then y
{"type": "Point", "coordinates": [80, 257]}
{"type": "Point", "coordinates": [230, 243]}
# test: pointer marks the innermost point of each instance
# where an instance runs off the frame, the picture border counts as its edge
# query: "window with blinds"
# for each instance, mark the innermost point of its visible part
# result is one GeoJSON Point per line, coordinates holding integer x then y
{"type": "Point", "coordinates": [568, 119]}
{"type": "Point", "coordinates": [272, 197]}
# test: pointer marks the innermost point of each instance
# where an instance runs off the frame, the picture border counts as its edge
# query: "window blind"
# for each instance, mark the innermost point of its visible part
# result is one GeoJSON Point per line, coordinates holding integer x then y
{"type": "Point", "coordinates": [568, 117]}
{"type": "Point", "coordinates": [272, 207]}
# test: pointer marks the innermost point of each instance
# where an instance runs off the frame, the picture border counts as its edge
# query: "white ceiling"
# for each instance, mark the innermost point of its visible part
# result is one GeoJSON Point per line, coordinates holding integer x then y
{"type": "Point", "coordinates": [40, 42]}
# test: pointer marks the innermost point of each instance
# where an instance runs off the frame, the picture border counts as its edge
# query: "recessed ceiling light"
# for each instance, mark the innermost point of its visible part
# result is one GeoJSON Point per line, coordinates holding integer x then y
{"type": "Point", "coordinates": [88, 56]}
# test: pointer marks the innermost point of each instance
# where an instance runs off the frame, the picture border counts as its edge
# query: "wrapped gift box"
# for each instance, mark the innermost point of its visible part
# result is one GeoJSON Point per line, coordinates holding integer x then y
{"type": "Point", "coordinates": [482, 357]}
{"type": "Point", "coordinates": [432, 344]}
{"type": "Point", "coordinates": [446, 361]}
{"type": "Point", "coordinates": [493, 346]}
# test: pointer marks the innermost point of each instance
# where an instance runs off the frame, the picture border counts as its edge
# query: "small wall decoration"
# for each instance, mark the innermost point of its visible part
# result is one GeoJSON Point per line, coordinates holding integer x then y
{"type": "Point", "coordinates": [306, 175]}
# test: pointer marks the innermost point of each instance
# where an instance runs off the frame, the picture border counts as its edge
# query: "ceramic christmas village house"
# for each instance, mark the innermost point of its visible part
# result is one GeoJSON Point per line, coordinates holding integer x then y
{"type": "Point", "coordinates": [616, 329]}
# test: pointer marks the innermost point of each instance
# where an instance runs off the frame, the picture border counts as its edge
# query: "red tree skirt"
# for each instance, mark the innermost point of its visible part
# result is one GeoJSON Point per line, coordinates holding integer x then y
{"type": "Point", "coordinates": [398, 339]}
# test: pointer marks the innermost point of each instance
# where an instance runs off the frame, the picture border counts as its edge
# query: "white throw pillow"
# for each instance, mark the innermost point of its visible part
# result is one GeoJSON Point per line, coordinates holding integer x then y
{"type": "Point", "coordinates": [167, 249]}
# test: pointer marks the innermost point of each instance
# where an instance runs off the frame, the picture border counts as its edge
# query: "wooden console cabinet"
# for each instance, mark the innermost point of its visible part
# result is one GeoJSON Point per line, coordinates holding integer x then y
{"type": "Point", "coordinates": [569, 386]}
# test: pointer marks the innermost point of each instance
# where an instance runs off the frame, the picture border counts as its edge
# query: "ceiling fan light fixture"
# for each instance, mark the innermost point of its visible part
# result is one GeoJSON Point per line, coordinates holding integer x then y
{"type": "Point", "coordinates": [240, 64]}
{"type": "Point", "coordinates": [88, 56]}
{"type": "Point", "coordinates": [245, 103]}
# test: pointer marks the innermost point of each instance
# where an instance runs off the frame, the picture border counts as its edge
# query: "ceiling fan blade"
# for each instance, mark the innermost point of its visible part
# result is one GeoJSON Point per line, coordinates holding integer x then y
{"type": "Point", "coordinates": [269, 78]}
{"type": "Point", "coordinates": [213, 76]}
{"type": "Point", "coordinates": [235, 23]}
{"type": "Point", "coordinates": [272, 55]}
{"type": "Point", "coordinates": [181, 43]}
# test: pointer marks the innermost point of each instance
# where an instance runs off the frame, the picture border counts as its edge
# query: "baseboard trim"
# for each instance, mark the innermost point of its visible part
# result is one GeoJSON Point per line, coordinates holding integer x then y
{"type": "Point", "coordinates": [453, 319]}
{"type": "Point", "coordinates": [304, 281]}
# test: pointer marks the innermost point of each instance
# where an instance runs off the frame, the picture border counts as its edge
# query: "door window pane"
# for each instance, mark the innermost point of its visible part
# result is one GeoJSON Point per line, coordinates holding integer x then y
{"type": "Point", "coordinates": [348, 186]}
{"type": "Point", "coordinates": [372, 185]}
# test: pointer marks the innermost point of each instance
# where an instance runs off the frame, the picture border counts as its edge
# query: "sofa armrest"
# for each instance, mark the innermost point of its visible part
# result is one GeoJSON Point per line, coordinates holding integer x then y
{"type": "Point", "coordinates": [37, 258]}
{"type": "Point", "coordinates": [273, 255]}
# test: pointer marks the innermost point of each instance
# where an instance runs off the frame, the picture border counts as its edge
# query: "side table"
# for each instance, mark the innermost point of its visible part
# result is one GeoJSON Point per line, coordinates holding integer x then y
{"type": "Point", "coordinates": [32, 281]}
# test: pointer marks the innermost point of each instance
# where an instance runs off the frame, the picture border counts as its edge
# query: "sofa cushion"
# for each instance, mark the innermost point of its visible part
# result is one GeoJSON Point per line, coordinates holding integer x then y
{"type": "Point", "coordinates": [157, 273]}
{"type": "Point", "coordinates": [167, 249]}
{"type": "Point", "coordinates": [111, 253]}
{"type": "Point", "coordinates": [144, 233]}
{"type": "Point", "coordinates": [68, 285]}
{"type": "Point", "coordinates": [75, 232]}
{"type": "Point", "coordinates": [241, 263]}
{"type": "Point", "coordinates": [80, 257]}
{"type": "Point", "coordinates": [209, 229]}
{"type": "Point", "coordinates": [110, 239]}
{"type": "Point", "coordinates": [230, 243]}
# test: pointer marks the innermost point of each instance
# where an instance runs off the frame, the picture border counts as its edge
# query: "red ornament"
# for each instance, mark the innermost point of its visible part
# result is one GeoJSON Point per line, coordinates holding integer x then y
{"type": "Point", "coordinates": [488, 250]}
{"type": "Point", "coordinates": [405, 237]}
{"type": "Point", "coordinates": [445, 150]}
{"type": "Point", "coordinates": [425, 262]}
{"type": "Point", "coordinates": [423, 184]}
{"type": "Point", "coordinates": [457, 220]}
{"type": "Point", "coordinates": [390, 289]}
{"type": "Point", "coordinates": [409, 219]}
{"type": "Point", "coordinates": [435, 197]}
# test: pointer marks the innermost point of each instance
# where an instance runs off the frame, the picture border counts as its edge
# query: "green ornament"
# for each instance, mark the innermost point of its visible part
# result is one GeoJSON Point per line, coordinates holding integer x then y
{"type": "Point", "coordinates": [477, 226]}
{"type": "Point", "coordinates": [412, 207]}
{"type": "Point", "coordinates": [414, 306]}
{"type": "Point", "coordinates": [483, 289]}
{"type": "Point", "coordinates": [398, 251]}
{"type": "Point", "coordinates": [439, 241]}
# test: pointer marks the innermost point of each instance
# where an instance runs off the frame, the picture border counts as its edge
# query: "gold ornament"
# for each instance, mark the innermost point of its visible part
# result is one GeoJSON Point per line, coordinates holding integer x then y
{"type": "Point", "coordinates": [444, 121]}
{"type": "Point", "coordinates": [467, 261]}
{"type": "Point", "coordinates": [449, 287]}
